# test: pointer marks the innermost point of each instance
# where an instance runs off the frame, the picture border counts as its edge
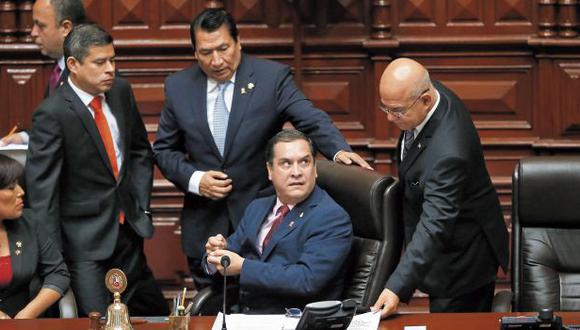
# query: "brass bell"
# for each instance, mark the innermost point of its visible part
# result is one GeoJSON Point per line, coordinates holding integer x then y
{"type": "Point", "coordinates": [117, 312]}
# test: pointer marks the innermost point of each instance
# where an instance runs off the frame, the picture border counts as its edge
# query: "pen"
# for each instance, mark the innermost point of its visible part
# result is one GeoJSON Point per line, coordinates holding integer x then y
{"type": "Point", "coordinates": [183, 297]}
{"type": "Point", "coordinates": [13, 130]}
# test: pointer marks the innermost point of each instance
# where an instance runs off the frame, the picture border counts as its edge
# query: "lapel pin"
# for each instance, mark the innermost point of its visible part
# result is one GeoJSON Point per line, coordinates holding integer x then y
{"type": "Point", "coordinates": [243, 90]}
{"type": "Point", "coordinates": [17, 252]}
{"type": "Point", "coordinates": [251, 86]}
{"type": "Point", "coordinates": [291, 224]}
{"type": "Point", "coordinates": [419, 145]}
{"type": "Point", "coordinates": [19, 244]}
{"type": "Point", "coordinates": [301, 214]}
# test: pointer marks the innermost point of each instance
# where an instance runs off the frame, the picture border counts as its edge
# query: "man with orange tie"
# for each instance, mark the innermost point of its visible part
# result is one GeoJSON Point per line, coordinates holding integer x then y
{"type": "Point", "coordinates": [52, 22]}
{"type": "Point", "coordinates": [89, 172]}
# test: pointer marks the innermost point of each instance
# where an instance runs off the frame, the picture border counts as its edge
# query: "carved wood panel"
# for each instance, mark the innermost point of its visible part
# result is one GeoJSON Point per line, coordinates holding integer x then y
{"type": "Point", "coordinates": [567, 98]}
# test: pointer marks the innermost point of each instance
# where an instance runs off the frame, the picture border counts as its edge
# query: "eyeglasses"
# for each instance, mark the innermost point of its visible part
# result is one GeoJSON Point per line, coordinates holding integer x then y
{"type": "Point", "coordinates": [400, 112]}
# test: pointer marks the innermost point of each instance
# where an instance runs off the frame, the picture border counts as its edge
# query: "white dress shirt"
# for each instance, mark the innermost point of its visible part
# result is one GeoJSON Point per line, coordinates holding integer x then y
{"type": "Point", "coordinates": [419, 127]}
{"type": "Point", "coordinates": [86, 98]}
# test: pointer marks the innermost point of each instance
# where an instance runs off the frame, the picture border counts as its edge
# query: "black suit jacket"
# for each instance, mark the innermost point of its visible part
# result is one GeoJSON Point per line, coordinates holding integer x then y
{"type": "Point", "coordinates": [33, 255]}
{"type": "Point", "coordinates": [69, 178]}
{"type": "Point", "coordinates": [454, 229]}
{"type": "Point", "coordinates": [265, 97]}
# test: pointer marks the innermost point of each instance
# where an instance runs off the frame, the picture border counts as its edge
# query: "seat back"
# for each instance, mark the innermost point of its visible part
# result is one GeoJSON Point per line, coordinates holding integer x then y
{"type": "Point", "coordinates": [546, 234]}
{"type": "Point", "coordinates": [371, 200]}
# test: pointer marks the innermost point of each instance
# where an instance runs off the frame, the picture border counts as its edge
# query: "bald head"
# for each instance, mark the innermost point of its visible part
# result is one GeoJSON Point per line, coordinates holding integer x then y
{"type": "Point", "coordinates": [405, 89]}
{"type": "Point", "coordinates": [404, 78]}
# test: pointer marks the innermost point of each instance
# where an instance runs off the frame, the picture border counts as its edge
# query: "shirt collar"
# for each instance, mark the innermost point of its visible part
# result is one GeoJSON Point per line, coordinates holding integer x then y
{"type": "Point", "coordinates": [61, 63]}
{"type": "Point", "coordinates": [213, 84]}
{"type": "Point", "coordinates": [279, 204]}
{"type": "Point", "coordinates": [419, 127]}
{"type": "Point", "coordinates": [85, 97]}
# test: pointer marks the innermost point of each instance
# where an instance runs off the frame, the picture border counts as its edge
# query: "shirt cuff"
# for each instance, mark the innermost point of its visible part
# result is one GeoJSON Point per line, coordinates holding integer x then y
{"type": "Point", "coordinates": [209, 269]}
{"type": "Point", "coordinates": [194, 182]}
{"type": "Point", "coordinates": [24, 136]}
{"type": "Point", "coordinates": [336, 154]}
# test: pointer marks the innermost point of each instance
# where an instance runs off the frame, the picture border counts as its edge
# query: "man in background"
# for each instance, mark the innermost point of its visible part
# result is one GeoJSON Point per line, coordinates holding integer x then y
{"type": "Point", "coordinates": [217, 118]}
{"type": "Point", "coordinates": [52, 22]}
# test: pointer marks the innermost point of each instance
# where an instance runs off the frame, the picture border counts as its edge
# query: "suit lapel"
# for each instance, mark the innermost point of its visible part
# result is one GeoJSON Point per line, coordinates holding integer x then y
{"type": "Point", "coordinates": [243, 91]}
{"type": "Point", "coordinates": [114, 101]}
{"type": "Point", "coordinates": [77, 106]}
{"type": "Point", "coordinates": [422, 140]}
{"type": "Point", "coordinates": [293, 220]}
{"type": "Point", "coordinates": [198, 101]}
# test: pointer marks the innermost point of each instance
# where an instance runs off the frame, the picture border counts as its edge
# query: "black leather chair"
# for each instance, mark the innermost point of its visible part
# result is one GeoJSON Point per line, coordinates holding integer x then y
{"type": "Point", "coordinates": [371, 200]}
{"type": "Point", "coordinates": [546, 234]}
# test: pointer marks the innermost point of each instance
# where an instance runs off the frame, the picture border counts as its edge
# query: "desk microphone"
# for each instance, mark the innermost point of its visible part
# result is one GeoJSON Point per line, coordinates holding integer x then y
{"type": "Point", "coordinates": [225, 262]}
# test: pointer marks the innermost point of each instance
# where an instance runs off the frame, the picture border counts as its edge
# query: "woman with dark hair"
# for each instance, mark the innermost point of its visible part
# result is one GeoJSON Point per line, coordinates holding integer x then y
{"type": "Point", "coordinates": [26, 251]}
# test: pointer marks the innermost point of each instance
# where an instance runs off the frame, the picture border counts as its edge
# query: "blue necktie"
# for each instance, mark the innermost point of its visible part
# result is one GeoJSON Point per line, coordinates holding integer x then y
{"type": "Point", "coordinates": [220, 118]}
{"type": "Point", "coordinates": [409, 137]}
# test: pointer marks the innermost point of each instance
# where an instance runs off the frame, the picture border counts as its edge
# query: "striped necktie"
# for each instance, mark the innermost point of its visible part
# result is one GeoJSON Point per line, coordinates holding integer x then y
{"type": "Point", "coordinates": [220, 118]}
{"type": "Point", "coordinates": [409, 138]}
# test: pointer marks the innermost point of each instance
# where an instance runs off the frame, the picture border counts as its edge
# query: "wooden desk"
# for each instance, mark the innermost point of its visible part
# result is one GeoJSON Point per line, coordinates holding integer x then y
{"type": "Point", "coordinates": [481, 321]}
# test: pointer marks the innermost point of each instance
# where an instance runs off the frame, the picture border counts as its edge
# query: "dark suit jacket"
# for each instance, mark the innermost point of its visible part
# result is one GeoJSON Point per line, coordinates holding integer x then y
{"type": "Point", "coordinates": [37, 256]}
{"type": "Point", "coordinates": [63, 78]}
{"type": "Point", "coordinates": [70, 180]}
{"type": "Point", "coordinates": [304, 261]}
{"type": "Point", "coordinates": [454, 229]}
{"type": "Point", "coordinates": [185, 144]}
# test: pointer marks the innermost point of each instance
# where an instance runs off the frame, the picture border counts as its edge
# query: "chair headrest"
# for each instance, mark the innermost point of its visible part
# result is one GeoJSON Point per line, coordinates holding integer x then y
{"type": "Point", "coordinates": [359, 191]}
{"type": "Point", "coordinates": [548, 191]}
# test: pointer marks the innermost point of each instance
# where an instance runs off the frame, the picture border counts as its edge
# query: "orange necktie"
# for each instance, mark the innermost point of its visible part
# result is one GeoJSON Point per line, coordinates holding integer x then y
{"type": "Point", "coordinates": [107, 138]}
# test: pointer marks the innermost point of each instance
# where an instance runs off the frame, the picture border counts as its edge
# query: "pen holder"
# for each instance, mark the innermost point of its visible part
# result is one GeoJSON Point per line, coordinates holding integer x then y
{"type": "Point", "coordinates": [179, 322]}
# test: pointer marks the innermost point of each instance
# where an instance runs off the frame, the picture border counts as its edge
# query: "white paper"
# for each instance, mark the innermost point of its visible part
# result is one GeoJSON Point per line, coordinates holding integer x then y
{"type": "Point", "coordinates": [366, 321]}
{"type": "Point", "coordinates": [14, 147]}
{"type": "Point", "coordinates": [415, 327]}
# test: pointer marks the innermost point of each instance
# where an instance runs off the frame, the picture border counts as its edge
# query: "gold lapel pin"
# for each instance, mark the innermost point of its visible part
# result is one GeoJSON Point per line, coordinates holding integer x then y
{"type": "Point", "coordinates": [19, 244]}
{"type": "Point", "coordinates": [243, 91]}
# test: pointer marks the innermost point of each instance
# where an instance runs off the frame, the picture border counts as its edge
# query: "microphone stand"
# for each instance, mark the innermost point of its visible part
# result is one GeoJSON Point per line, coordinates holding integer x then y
{"type": "Point", "coordinates": [225, 262]}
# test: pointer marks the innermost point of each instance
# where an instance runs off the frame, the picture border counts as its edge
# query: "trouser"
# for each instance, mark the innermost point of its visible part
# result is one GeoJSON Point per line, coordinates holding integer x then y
{"type": "Point", "coordinates": [478, 300]}
{"type": "Point", "coordinates": [142, 296]}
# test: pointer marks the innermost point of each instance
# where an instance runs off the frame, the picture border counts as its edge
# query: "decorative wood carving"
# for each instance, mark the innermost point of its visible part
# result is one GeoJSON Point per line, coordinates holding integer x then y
{"type": "Point", "coordinates": [417, 12]}
{"type": "Point", "coordinates": [381, 19]}
{"type": "Point", "coordinates": [568, 98]}
{"type": "Point", "coordinates": [465, 12]}
{"type": "Point", "coordinates": [567, 18]}
{"type": "Point", "coordinates": [8, 27]}
{"type": "Point", "coordinates": [130, 14]}
{"type": "Point", "coordinates": [513, 11]}
{"type": "Point", "coordinates": [25, 21]}
{"type": "Point", "coordinates": [176, 13]}
{"type": "Point", "coordinates": [547, 18]}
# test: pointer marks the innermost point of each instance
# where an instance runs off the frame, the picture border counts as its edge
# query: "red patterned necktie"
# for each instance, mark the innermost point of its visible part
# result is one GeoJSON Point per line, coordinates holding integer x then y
{"type": "Point", "coordinates": [281, 213]}
{"type": "Point", "coordinates": [54, 78]}
{"type": "Point", "coordinates": [107, 138]}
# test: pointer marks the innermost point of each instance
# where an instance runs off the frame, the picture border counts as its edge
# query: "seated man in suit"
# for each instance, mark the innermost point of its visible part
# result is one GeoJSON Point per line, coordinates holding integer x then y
{"type": "Point", "coordinates": [289, 249]}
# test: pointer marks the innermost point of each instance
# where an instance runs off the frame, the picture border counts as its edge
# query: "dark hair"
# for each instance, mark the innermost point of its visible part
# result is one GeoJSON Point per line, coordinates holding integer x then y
{"type": "Point", "coordinates": [72, 10]}
{"type": "Point", "coordinates": [210, 20]}
{"type": "Point", "coordinates": [82, 37]}
{"type": "Point", "coordinates": [10, 171]}
{"type": "Point", "coordinates": [287, 135]}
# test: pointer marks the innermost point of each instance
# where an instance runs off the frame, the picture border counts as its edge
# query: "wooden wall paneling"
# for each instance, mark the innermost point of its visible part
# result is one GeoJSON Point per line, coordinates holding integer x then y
{"type": "Point", "coordinates": [338, 87]}
{"type": "Point", "coordinates": [381, 22]}
{"type": "Point", "coordinates": [568, 74]}
{"type": "Point", "coordinates": [22, 87]}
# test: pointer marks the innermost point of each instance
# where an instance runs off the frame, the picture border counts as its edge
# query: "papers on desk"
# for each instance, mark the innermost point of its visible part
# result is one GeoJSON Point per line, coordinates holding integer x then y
{"type": "Point", "coordinates": [16, 151]}
{"type": "Point", "coordinates": [366, 321]}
